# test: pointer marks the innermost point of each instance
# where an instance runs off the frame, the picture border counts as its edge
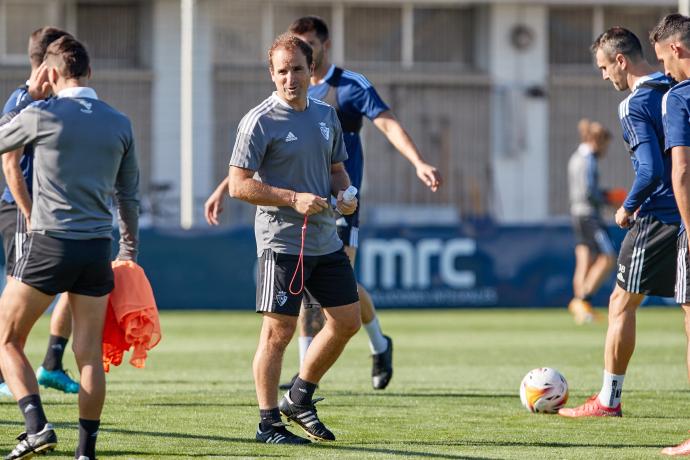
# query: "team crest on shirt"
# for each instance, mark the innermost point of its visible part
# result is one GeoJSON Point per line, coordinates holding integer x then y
{"type": "Point", "coordinates": [325, 132]}
{"type": "Point", "coordinates": [281, 298]}
{"type": "Point", "coordinates": [86, 106]}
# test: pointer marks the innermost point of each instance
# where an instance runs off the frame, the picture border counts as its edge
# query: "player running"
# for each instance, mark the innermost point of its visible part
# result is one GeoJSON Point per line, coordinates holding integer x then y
{"type": "Point", "coordinates": [294, 147]}
{"type": "Point", "coordinates": [647, 259]}
{"type": "Point", "coordinates": [594, 253]}
{"type": "Point", "coordinates": [15, 209]}
{"type": "Point", "coordinates": [84, 158]}
{"type": "Point", "coordinates": [671, 40]}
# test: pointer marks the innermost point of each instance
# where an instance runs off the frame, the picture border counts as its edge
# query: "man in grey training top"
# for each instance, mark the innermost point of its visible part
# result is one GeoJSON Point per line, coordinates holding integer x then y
{"type": "Point", "coordinates": [84, 152]}
{"type": "Point", "coordinates": [294, 146]}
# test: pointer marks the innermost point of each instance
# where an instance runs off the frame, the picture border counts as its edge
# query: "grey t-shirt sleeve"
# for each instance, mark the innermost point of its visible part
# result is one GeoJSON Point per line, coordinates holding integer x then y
{"type": "Point", "coordinates": [127, 201]}
{"type": "Point", "coordinates": [19, 127]}
{"type": "Point", "coordinates": [250, 146]}
{"type": "Point", "coordinates": [339, 151]}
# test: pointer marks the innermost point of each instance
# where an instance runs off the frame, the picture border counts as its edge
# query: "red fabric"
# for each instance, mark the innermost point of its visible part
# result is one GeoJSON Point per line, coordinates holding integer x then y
{"type": "Point", "coordinates": [132, 317]}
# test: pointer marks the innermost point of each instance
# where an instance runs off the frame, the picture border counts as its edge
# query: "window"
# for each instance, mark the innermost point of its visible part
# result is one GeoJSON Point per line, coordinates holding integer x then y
{"type": "Point", "coordinates": [237, 33]}
{"type": "Point", "coordinates": [111, 32]}
{"type": "Point", "coordinates": [444, 35]}
{"type": "Point", "coordinates": [284, 15]}
{"type": "Point", "coordinates": [570, 35]}
{"type": "Point", "coordinates": [373, 35]}
{"type": "Point", "coordinates": [17, 20]}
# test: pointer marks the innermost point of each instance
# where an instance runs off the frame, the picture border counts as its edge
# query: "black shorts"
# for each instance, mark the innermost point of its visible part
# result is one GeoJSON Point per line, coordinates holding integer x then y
{"type": "Point", "coordinates": [348, 229]}
{"type": "Point", "coordinates": [590, 231]}
{"type": "Point", "coordinates": [14, 233]}
{"type": "Point", "coordinates": [328, 280]}
{"type": "Point", "coordinates": [647, 260]}
{"type": "Point", "coordinates": [683, 266]}
{"type": "Point", "coordinates": [55, 265]}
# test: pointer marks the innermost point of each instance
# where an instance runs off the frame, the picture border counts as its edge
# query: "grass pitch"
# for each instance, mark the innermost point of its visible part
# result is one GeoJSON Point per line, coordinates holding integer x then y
{"type": "Point", "coordinates": [454, 394]}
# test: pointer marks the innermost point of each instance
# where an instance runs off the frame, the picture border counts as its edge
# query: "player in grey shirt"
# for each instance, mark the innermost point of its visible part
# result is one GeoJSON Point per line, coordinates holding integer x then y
{"type": "Point", "coordinates": [288, 160]}
{"type": "Point", "coordinates": [84, 155]}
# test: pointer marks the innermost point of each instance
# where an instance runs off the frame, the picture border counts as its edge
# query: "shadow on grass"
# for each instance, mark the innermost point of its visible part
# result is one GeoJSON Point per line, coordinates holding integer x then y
{"type": "Point", "coordinates": [476, 443]}
{"type": "Point", "coordinates": [394, 452]}
{"type": "Point", "coordinates": [430, 395]}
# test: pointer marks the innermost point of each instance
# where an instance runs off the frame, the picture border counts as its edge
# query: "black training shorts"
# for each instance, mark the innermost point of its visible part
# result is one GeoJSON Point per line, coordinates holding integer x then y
{"type": "Point", "coordinates": [55, 265]}
{"type": "Point", "coordinates": [328, 280]}
{"type": "Point", "coordinates": [647, 260]}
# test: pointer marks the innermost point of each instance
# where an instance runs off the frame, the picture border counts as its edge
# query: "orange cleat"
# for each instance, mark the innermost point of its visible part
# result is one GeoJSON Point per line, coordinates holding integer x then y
{"type": "Point", "coordinates": [582, 311]}
{"type": "Point", "coordinates": [591, 408]}
{"type": "Point", "coordinates": [676, 451]}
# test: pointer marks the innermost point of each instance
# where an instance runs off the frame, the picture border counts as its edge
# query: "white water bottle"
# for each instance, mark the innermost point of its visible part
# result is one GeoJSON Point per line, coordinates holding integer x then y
{"type": "Point", "coordinates": [350, 193]}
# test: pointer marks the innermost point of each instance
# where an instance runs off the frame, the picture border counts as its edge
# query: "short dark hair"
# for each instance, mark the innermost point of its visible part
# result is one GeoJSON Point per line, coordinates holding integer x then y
{"type": "Point", "coordinates": [70, 57]}
{"type": "Point", "coordinates": [671, 26]}
{"type": "Point", "coordinates": [307, 24]}
{"type": "Point", "coordinates": [618, 40]}
{"type": "Point", "coordinates": [290, 42]}
{"type": "Point", "coordinates": [39, 41]}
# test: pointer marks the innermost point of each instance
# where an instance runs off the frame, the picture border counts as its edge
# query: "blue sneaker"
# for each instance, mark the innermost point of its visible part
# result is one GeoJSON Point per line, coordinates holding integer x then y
{"type": "Point", "coordinates": [5, 390]}
{"type": "Point", "coordinates": [57, 379]}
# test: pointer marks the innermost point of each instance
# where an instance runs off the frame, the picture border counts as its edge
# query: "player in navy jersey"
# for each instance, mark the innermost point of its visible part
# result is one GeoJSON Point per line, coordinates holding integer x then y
{"type": "Point", "coordinates": [671, 40]}
{"type": "Point", "coordinates": [647, 259]}
{"type": "Point", "coordinates": [15, 209]}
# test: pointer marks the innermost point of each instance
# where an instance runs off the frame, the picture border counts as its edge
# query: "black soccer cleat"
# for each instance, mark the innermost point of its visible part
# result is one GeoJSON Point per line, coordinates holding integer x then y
{"type": "Point", "coordinates": [288, 385]}
{"type": "Point", "coordinates": [305, 416]}
{"type": "Point", "coordinates": [34, 444]}
{"type": "Point", "coordinates": [382, 367]}
{"type": "Point", "coordinates": [278, 434]}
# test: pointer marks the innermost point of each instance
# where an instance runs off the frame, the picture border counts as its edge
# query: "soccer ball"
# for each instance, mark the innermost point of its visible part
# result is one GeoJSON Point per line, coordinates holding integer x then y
{"type": "Point", "coordinates": [544, 390]}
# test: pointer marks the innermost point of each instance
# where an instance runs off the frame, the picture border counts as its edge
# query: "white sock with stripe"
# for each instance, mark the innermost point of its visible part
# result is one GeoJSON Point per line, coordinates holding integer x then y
{"type": "Point", "coordinates": [377, 342]}
{"type": "Point", "coordinates": [611, 390]}
{"type": "Point", "coordinates": [304, 343]}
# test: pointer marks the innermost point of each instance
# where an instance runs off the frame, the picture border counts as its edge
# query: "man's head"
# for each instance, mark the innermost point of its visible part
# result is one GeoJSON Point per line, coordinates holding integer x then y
{"type": "Point", "coordinates": [39, 41]}
{"type": "Point", "coordinates": [615, 51]}
{"type": "Point", "coordinates": [290, 63]}
{"type": "Point", "coordinates": [671, 40]}
{"type": "Point", "coordinates": [66, 59]}
{"type": "Point", "coordinates": [313, 30]}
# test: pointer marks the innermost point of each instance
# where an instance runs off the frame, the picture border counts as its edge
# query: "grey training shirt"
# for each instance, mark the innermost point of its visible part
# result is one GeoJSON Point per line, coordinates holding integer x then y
{"type": "Point", "coordinates": [84, 153]}
{"type": "Point", "coordinates": [292, 150]}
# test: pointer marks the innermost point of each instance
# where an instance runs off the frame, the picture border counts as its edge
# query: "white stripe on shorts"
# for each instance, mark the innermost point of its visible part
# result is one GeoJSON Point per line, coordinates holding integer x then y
{"type": "Point", "coordinates": [268, 281]}
{"type": "Point", "coordinates": [681, 268]}
{"type": "Point", "coordinates": [19, 268]}
{"type": "Point", "coordinates": [637, 259]}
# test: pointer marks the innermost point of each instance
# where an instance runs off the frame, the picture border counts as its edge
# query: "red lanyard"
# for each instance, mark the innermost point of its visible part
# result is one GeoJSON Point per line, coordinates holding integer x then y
{"type": "Point", "coordinates": [300, 261]}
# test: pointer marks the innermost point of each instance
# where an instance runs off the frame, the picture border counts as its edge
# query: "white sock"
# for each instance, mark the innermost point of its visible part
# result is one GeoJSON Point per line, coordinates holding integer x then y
{"type": "Point", "coordinates": [611, 390]}
{"type": "Point", "coordinates": [377, 342]}
{"type": "Point", "coordinates": [304, 343]}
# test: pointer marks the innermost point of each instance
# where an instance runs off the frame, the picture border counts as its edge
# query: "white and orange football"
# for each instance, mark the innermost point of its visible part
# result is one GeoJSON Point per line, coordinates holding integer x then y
{"type": "Point", "coordinates": [544, 390]}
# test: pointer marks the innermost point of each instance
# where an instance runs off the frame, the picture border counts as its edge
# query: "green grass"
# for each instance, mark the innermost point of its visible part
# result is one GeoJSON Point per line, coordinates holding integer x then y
{"type": "Point", "coordinates": [454, 394]}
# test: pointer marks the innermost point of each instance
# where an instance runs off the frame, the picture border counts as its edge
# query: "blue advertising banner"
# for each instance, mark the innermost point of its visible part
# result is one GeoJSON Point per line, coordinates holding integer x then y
{"type": "Point", "coordinates": [481, 265]}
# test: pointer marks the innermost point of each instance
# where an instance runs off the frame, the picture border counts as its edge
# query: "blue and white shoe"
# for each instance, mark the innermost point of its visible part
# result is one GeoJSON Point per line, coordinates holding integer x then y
{"type": "Point", "coordinates": [5, 390]}
{"type": "Point", "coordinates": [57, 379]}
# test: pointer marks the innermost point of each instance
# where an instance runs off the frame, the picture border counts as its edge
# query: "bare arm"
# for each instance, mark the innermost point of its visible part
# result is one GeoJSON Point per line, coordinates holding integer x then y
{"type": "Point", "coordinates": [401, 140]}
{"type": "Point", "coordinates": [16, 181]}
{"type": "Point", "coordinates": [243, 186]}
{"type": "Point", "coordinates": [214, 205]}
{"type": "Point", "coordinates": [680, 157]}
